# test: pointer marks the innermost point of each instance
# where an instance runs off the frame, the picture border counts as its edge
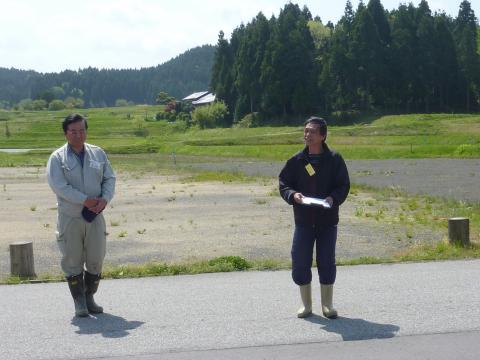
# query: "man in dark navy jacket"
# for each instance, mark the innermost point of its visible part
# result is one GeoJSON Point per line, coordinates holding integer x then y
{"type": "Point", "coordinates": [315, 172]}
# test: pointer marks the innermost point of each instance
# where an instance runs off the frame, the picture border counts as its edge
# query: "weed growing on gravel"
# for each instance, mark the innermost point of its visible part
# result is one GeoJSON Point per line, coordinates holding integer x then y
{"type": "Point", "coordinates": [393, 206]}
{"type": "Point", "coordinates": [260, 201]}
{"type": "Point", "coordinates": [221, 176]}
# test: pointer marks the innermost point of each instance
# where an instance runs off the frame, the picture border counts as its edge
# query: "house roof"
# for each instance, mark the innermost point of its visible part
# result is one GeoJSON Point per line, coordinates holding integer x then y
{"type": "Point", "coordinates": [195, 96]}
{"type": "Point", "coordinates": [209, 98]}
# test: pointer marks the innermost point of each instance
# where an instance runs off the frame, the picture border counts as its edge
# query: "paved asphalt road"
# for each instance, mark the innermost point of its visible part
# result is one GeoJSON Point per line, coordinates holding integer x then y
{"type": "Point", "coordinates": [400, 311]}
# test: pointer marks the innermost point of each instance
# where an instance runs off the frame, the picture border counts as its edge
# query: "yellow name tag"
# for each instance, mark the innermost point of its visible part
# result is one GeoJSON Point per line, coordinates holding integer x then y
{"type": "Point", "coordinates": [310, 170]}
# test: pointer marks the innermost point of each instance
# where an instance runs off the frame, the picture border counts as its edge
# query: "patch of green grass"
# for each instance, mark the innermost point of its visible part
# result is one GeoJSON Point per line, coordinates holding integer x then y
{"type": "Point", "coordinates": [220, 264]}
{"type": "Point", "coordinates": [440, 251]}
{"type": "Point", "coordinates": [46, 277]}
{"type": "Point", "coordinates": [234, 262]}
{"type": "Point", "coordinates": [364, 260]}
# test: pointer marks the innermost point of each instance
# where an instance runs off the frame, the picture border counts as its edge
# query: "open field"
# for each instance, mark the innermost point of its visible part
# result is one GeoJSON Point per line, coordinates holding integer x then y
{"type": "Point", "coordinates": [170, 216]}
{"type": "Point", "coordinates": [134, 130]}
{"type": "Point", "coordinates": [166, 211]}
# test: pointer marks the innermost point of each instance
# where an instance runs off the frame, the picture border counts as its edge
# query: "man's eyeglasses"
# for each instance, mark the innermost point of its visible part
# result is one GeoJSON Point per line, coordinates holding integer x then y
{"type": "Point", "coordinates": [77, 132]}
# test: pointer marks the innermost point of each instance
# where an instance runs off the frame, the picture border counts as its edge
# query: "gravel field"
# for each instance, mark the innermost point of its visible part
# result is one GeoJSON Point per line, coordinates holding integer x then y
{"type": "Point", "coordinates": [456, 179]}
{"type": "Point", "coordinates": [162, 218]}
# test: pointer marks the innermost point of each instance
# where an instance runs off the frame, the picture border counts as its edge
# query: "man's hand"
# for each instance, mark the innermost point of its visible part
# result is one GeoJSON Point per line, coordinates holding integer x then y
{"type": "Point", "coordinates": [329, 200]}
{"type": "Point", "coordinates": [98, 208]}
{"type": "Point", "coordinates": [91, 202]}
{"type": "Point", "coordinates": [298, 198]}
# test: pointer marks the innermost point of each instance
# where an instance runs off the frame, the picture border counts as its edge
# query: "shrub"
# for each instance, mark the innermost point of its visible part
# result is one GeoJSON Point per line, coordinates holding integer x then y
{"type": "Point", "coordinates": [210, 116]}
{"type": "Point", "coordinates": [249, 120]}
{"type": "Point", "coordinates": [71, 102]}
{"type": "Point", "coordinates": [121, 103]}
{"type": "Point", "coordinates": [56, 105]}
{"type": "Point", "coordinates": [39, 104]}
{"type": "Point", "coordinates": [25, 104]}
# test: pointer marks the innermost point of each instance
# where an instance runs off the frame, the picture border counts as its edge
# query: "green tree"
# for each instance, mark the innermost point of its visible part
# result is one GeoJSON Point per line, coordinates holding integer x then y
{"type": "Point", "coordinates": [58, 92]}
{"type": "Point", "coordinates": [247, 66]}
{"type": "Point", "coordinates": [163, 98]}
{"type": "Point", "coordinates": [288, 72]}
{"type": "Point", "coordinates": [465, 34]}
{"type": "Point", "coordinates": [367, 55]}
{"type": "Point", "coordinates": [337, 74]}
{"type": "Point", "coordinates": [222, 81]}
{"type": "Point", "coordinates": [446, 65]}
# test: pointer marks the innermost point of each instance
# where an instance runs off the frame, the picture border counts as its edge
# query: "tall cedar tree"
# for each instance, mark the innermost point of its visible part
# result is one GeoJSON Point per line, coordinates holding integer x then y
{"type": "Point", "coordinates": [248, 66]}
{"type": "Point", "coordinates": [466, 39]}
{"type": "Point", "coordinates": [288, 77]}
{"type": "Point", "coordinates": [222, 82]}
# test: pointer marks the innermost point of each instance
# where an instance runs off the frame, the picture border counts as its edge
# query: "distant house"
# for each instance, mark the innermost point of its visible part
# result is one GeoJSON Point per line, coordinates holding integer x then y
{"type": "Point", "coordinates": [200, 98]}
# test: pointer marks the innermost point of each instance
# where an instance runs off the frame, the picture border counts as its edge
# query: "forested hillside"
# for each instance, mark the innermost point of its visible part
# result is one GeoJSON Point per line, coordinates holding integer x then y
{"type": "Point", "coordinates": [401, 61]}
{"type": "Point", "coordinates": [180, 76]}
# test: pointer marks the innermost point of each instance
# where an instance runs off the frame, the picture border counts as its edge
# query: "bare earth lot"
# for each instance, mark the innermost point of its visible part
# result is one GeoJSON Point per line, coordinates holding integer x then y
{"type": "Point", "coordinates": [162, 218]}
{"type": "Point", "coordinates": [456, 179]}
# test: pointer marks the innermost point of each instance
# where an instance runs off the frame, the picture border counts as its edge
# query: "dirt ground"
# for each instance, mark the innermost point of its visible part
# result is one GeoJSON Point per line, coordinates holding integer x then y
{"type": "Point", "coordinates": [163, 218]}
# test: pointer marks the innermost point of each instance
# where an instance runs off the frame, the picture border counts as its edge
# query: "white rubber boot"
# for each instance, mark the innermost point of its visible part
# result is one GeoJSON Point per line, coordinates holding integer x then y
{"type": "Point", "coordinates": [306, 295]}
{"type": "Point", "coordinates": [326, 292]}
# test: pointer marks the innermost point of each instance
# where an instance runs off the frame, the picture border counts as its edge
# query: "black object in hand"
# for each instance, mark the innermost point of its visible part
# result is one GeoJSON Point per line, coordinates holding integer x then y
{"type": "Point", "coordinates": [88, 215]}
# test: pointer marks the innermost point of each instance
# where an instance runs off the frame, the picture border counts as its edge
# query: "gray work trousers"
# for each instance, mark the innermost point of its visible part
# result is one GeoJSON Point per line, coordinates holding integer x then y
{"type": "Point", "coordinates": [82, 244]}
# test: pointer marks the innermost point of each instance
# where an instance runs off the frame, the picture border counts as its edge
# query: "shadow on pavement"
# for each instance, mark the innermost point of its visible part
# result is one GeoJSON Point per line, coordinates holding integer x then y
{"type": "Point", "coordinates": [110, 326]}
{"type": "Point", "coordinates": [355, 329]}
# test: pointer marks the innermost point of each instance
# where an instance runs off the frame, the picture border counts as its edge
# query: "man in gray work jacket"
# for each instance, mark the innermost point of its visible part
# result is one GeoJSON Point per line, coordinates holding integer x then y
{"type": "Point", "coordinates": [84, 182]}
{"type": "Point", "coordinates": [315, 172]}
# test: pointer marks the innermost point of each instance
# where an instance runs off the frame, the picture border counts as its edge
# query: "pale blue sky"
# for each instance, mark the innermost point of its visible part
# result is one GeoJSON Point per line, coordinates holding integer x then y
{"type": "Point", "coordinates": [54, 35]}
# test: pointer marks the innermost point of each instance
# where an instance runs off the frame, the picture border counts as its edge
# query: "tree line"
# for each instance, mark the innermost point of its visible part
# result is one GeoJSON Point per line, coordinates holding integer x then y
{"type": "Point", "coordinates": [92, 87]}
{"type": "Point", "coordinates": [373, 60]}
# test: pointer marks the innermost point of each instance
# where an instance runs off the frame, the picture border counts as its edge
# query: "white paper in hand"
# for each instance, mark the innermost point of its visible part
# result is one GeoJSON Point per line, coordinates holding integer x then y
{"type": "Point", "coordinates": [316, 202]}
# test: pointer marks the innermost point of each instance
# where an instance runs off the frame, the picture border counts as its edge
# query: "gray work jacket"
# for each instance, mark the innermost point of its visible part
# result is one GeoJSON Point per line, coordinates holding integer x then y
{"type": "Point", "coordinates": [73, 184]}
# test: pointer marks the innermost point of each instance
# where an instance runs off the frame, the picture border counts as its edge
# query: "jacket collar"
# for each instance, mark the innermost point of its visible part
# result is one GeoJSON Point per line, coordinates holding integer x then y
{"type": "Point", "coordinates": [304, 153]}
{"type": "Point", "coordinates": [70, 159]}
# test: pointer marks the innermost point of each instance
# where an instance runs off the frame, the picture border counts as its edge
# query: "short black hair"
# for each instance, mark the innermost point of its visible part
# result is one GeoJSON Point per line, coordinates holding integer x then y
{"type": "Point", "coordinates": [73, 118]}
{"type": "Point", "coordinates": [318, 121]}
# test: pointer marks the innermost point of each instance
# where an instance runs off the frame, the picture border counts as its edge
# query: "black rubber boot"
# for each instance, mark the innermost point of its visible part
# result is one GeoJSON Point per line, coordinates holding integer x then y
{"type": "Point", "coordinates": [91, 286]}
{"type": "Point", "coordinates": [77, 289]}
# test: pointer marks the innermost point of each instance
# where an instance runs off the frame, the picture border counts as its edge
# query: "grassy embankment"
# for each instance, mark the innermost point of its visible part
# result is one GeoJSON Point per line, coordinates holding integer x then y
{"type": "Point", "coordinates": [132, 130]}
{"type": "Point", "coordinates": [136, 142]}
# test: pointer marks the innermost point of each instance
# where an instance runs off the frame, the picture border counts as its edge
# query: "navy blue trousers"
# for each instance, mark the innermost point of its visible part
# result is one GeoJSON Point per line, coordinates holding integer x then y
{"type": "Point", "coordinates": [304, 238]}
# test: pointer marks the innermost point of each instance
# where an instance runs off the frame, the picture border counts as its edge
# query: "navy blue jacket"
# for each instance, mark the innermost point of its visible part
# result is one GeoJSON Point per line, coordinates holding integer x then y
{"type": "Point", "coordinates": [330, 179]}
